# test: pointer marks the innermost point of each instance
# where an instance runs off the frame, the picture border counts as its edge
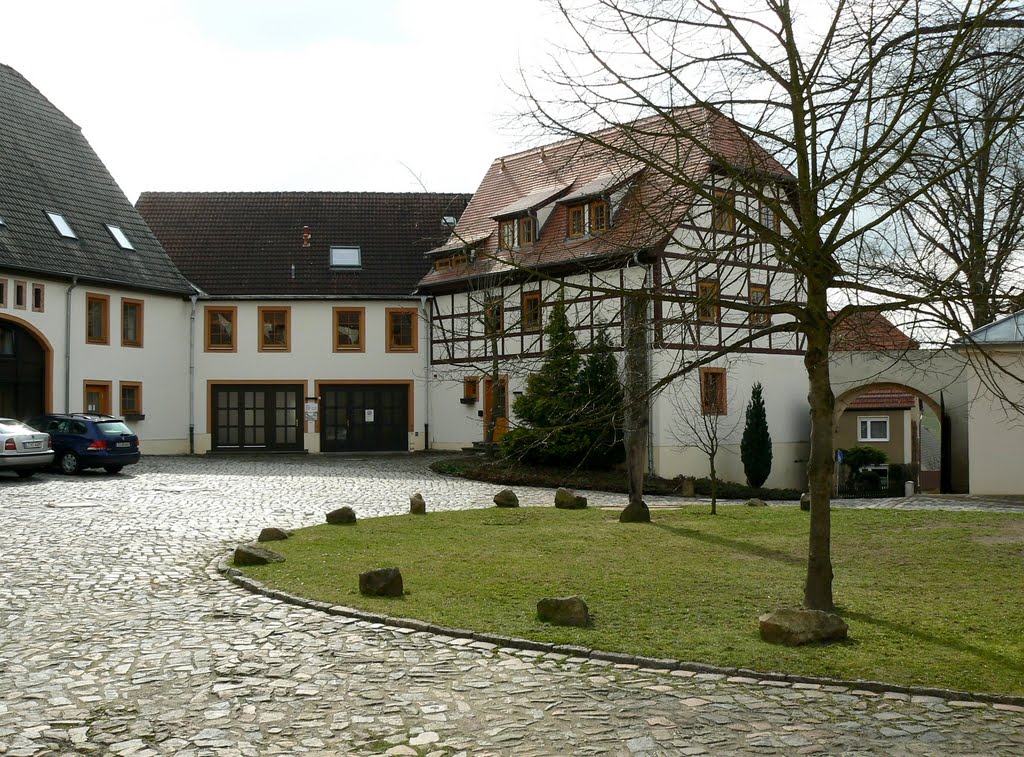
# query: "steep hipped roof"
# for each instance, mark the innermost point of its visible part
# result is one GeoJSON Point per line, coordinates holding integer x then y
{"type": "Point", "coordinates": [246, 243]}
{"type": "Point", "coordinates": [870, 330]}
{"type": "Point", "coordinates": [640, 165]}
{"type": "Point", "coordinates": [46, 165]}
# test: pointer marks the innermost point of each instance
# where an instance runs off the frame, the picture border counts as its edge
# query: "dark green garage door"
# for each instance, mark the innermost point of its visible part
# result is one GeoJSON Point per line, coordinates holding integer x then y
{"type": "Point", "coordinates": [258, 418]}
{"type": "Point", "coordinates": [364, 418]}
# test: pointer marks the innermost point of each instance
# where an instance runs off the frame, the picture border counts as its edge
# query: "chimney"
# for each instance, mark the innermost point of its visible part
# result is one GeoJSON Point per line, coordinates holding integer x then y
{"type": "Point", "coordinates": [306, 236]}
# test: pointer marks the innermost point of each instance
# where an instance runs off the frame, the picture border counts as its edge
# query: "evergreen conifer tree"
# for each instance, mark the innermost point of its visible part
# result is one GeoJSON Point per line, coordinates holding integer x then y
{"type": "Point", "coordinates": [756, 444]}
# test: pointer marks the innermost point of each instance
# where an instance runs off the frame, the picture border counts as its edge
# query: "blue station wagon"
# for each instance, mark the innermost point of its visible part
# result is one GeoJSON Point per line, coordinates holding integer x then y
{"type": "Point", "coordinates": [88, 440]}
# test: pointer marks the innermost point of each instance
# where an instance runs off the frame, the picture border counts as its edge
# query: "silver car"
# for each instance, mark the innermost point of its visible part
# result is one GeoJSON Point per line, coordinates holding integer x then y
{"type": "Point", "coordinates": [22, 449]}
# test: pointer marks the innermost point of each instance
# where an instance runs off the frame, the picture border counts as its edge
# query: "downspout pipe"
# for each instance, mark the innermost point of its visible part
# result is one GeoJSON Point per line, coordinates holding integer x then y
{"type": "Point", "coordinates": [192, 376]}
{"type": "Point", "coordinates": [427, 374]}
{"type": "Point", "coordinates": [67, 344]}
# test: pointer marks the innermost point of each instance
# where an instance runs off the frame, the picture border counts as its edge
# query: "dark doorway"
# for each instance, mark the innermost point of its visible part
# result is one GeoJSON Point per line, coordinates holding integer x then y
{"type": "Point", "coordinates": [256, 418]}
{"type": "Point", "coordinates": [364, 418]}
{"type": "Point", "coordinates": [22, 372]}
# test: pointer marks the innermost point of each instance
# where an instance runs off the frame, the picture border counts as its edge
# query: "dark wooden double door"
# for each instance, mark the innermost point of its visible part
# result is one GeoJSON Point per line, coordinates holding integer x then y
{"type": "Point", "coordinates": [254, 417]}
{"type": "Point", "coordinates": [364, 418]}
{"type": "Point", "coordinates": [22, 372]}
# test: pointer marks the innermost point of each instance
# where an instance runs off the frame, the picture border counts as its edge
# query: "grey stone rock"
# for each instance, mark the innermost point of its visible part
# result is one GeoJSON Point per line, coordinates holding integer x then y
{"type": "Point", "coordinates": [273, 534]}
{"type": "Point", "coordinates": [687, 486]}
{"type": "Point", "coordinates": [506, 498]}
{"type": "Point", "coordinates": [246, 554]}
{"type": "Point", "coordinates": [566, 499]}
{"type": "Point", "coordinates": [563, 611]}
{"type": "Point", "coordinates": [343, 516]}
{"type": "Point", "coordinates": [805, 502]}
{"type": "Point", "coordinates": [381, 582]}
{"type": "Point", "coordinates": [793, 626]}
{"type": "Point", "coordinates": [417, 505]}
{"type": "Point", "coordinates": [755, 502]}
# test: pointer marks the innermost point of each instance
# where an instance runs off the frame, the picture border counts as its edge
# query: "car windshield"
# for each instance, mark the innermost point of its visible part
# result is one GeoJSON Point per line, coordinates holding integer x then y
{"type": "Point", "coordinates": [13, 427]}
{"type": "Point", "coordinates": [113, 428]}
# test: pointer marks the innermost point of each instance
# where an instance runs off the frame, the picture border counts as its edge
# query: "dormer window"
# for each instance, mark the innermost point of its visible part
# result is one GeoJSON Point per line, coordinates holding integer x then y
{"type": "Point", "coordinates": [506, 235]}
{"type": "Point", "coordinates": [526, 231]}
{"type": "Point", "coordinates": [119, 236]}
{"type": "Point", "coordinates": [61, 225]}
{"type": "Point", "coordinates": [346, 257]}
{"type": "Point", "coordinates": [588, 219]}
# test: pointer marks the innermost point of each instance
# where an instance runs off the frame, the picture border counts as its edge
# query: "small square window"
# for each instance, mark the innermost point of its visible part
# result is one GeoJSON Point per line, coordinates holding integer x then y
{"type": "Point", "coordinates": [349, 329]}
{"type": "Point", "coordinates": [506, 235]}
{"type": "Point", "coordinates": [131, 323]}
{"type": "Point", "coordinates": [37, 298]}
{"type": "Point", "coordinates": [526, 231]}
{"type": "Point", "coordinates": [708, 308]}
{"type": "Point", "coordinates": [401, 329]}
{"type": "Point", "coordinates": [97, 397]}
{"type": "Point", "coordinates": [220, 329]}
{"type": "Point", "coordinates": [131, 398]}
{"type": "Point", "coordinates": [346, 257]}
{"type": "Point", "coordinates": [531, 311]}
{"type": "Point", "coordinates": [120, 237]}
{"type": "Point", "coordinates": [873, 429]}
{"type": "Point", "coordinates": [20, 289]}
{"type": "Point", "coordinates": [712, 391]}
{"type": "Point", "coordinates": [470, 389]}
{"type": "Point", "coordinates": [724, 211]}
{"type": "Point", "coordinates": [275, 329]}
{"type": "Point", "coordinates": [97, 319]}
{"type": "Point", "coordinates": [759, 298]}
{"type": "Point", "coordinates": [598, 216]}
{"type": "Point", "coordinates": [61, 225]}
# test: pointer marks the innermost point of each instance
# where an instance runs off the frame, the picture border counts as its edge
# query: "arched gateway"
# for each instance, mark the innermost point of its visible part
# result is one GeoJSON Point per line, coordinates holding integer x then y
{"type": "Point", "coordinates": [26, 369]}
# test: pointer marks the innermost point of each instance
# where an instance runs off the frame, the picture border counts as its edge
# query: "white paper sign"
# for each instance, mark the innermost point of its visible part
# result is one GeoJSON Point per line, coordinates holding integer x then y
{"type": "Point", "coordinates": [369, 416]}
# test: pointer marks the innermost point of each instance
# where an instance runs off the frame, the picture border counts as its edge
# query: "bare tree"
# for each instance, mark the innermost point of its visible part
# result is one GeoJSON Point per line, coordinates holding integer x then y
{"type": "Point", "coordinates": [844, 102]}
{"type": "Point", "coordinates": [702, 421]}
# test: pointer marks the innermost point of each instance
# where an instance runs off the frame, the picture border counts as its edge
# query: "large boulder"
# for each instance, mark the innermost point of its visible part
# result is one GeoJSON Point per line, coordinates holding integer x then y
{"type": "Point", "coordinates": [273, 534]}
{"type": "Point", "coordinates": [793, 626]}
{"type": "Point", "coordinates": [382, 582]}
{"type": "Point", "coordinates": [566, 499]}
{"type": "Point", "coordinates": [563, 611]}
{"type": "Point", "coordinates": [506, 498]}
{"type": "Point", "coordinates": [417, 505]}
{"type": "Point", "coordinates": [343, 516]}
{"type": "Point", "coordinates": [805, 502]}
{"type": "Point", "coordinates": [246, 554]}
{"type": "Point", "coordinates": [755, 502]}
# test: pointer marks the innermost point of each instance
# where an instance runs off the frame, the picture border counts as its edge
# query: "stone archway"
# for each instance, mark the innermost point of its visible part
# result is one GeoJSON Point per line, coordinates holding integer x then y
{"type": "Point", "coordinates": [916, 432]}
{"type": "Point", "coordinates": [26, 369]}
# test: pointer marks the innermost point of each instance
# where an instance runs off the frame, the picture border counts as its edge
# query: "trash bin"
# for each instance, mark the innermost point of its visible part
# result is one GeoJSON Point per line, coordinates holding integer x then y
{"type": "Point", "coordinates": [908, 488]}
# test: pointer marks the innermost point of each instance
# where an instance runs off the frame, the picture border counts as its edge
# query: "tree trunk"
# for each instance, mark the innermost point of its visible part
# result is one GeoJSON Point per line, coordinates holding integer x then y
{"type": "Point", "coordinates": [636, 411]}
{"type": "Point", "coordinates": [818, 588]}
{"type": "Point", "coordinates": [490, 447]}
{"type": "Point", "coordinates": [714, 486]}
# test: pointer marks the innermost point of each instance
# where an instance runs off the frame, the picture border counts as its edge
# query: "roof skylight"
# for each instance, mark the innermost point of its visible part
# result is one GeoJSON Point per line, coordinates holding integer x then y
{"type": "Point", "coordinates": [63, 227]}
{"type": "Point", "coordinates": [345, 257]}
{"type": "Point", "coordinates": [119, 236]}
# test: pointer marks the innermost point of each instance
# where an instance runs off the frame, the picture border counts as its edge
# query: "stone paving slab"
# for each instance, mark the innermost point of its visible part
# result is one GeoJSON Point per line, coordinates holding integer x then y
{"type": "Point", "coordinates": [116, 637]}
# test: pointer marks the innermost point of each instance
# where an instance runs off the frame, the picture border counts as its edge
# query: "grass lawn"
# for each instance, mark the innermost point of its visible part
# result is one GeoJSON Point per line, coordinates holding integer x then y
{"type": "Point", "coordinates": [932, 598]}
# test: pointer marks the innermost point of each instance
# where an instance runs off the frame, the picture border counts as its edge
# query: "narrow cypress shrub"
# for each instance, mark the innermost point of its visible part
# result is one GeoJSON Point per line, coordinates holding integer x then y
{"type": "Point", "coordinates": [756, 445]}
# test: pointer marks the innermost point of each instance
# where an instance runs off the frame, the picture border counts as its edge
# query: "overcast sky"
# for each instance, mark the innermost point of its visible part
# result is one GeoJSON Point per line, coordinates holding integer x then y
{"type": "Point", "coordinates": [283, 94]}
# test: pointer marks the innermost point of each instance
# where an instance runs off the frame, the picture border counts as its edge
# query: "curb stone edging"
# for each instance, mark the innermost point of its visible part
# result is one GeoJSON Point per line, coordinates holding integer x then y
{"type": "Point", "coordinates": [222, 567]}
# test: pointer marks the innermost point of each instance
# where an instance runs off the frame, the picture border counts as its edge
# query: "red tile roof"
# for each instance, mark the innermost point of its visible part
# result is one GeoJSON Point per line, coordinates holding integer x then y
{"type": "Point", "coordinates": [609, 158]}
{"type": "Point", "coordinates": [882, 399]}
{"type": "Point", "coordinates": [870, 330]}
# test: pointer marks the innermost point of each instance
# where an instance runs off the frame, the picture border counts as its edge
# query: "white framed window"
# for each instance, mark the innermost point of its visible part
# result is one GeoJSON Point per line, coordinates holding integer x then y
{"type": "Point", "coordinates": [346, 257]}
{"type": "Point", "coordinates": [873, 428]}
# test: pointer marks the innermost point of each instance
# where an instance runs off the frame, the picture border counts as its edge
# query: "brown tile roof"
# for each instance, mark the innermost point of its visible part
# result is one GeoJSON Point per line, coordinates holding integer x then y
{"type": "Point", "coordinates": [649, 211]}
{"type": "Point", "coordinates": [870, 330]}
{"type": "Point", "coordinates": [882, 399]}
{"type": "Point", "coordinates": [245, 243]}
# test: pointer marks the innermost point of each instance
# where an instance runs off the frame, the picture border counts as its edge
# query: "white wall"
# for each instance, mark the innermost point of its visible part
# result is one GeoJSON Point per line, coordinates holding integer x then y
{"type": "Point", "coordinates": [996, 426]}
{"type": "Point", "coordinates": [161, 364]}
{"type": "Point", "coordinates": [311, 357]}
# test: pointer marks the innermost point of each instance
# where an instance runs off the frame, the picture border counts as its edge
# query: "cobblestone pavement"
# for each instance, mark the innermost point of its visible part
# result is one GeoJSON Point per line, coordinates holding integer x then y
{"type": "Point", "coordinates": [117, 638]}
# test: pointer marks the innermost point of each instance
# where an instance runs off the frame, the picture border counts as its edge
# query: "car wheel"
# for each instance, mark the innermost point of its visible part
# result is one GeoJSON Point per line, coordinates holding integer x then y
{"type": "Point", "coordinates": [112, 469]}
{"type": "Point", "coordinates": [26, 473]}
{"type": "Point", "coordinates": [69, 463]}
